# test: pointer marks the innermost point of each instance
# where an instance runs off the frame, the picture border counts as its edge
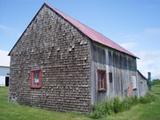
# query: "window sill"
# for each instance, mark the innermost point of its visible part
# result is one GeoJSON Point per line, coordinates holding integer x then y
{"type": "Point", "coordinates": [134, 89]}
{"type": "Point", "coordinates": [102, 90]}
{"type": "Point", "coordinates": [35, 87]}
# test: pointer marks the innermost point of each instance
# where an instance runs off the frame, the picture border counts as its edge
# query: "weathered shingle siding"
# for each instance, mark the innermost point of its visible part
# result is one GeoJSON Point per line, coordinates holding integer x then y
{"type": "Point", "coordinates": [63, 55]}
{"type": "Point", "coordinates": [122, 67]}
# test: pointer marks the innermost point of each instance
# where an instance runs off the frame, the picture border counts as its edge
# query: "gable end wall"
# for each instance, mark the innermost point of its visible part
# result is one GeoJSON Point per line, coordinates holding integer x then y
{"type": "Point", "coordinates": [63, 54]}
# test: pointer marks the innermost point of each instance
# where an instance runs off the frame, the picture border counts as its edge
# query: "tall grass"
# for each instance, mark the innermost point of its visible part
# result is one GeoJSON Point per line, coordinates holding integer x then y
{"type": "Point", "coordinates": [117, 105]}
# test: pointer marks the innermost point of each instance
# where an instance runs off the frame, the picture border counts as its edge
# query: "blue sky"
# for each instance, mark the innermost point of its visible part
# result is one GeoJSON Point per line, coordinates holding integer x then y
{"type": "Point", "coordinates": [134, 24]}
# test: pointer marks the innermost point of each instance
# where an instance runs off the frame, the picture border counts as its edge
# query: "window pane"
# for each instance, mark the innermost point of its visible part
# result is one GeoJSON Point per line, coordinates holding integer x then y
{"type": "Point", "coordinates": [101, 80]}
{"type": "Point", "coordinates": [36, 76]}
{"type": "Point", "coordinates": [36, 79]}
{"type": "Point", "coordinates": [110, 77]}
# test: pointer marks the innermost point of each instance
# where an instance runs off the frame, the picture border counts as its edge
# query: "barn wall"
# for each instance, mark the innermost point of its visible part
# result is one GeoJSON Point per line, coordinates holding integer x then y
{"type": "Point", "coordinates": [63, 54]}
{"type": "Point", "coordinates": [2, 80]}
{"type": "Point", "coordinates": [122, 67]}
{"type": "Point", "coordinates": [142, 83]}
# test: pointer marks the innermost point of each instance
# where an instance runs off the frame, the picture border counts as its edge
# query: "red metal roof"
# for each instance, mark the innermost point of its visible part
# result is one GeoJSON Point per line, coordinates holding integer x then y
{"type": "Point", "coordinates": [92, 34]}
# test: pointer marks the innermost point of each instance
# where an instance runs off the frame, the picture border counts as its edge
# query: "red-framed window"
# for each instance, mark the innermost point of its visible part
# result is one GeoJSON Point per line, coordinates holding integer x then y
{"type": "Point", "coordinates": [36, 78]}
{"type": "Point", "coordinates": [102, 83]}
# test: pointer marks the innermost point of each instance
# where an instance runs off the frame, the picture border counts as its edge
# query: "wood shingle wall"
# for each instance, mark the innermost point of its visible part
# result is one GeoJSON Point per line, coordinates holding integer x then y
{"type": "Point", "coordinates": [63, 54]}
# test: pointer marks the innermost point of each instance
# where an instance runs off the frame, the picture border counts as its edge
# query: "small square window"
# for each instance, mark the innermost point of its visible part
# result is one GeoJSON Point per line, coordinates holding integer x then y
{"type": "Point", "coordinates": [36, 79]}
{"type": "Point", "coordinates": [102, 80]}
{"type": "Point", "coordinates": [110, 77]}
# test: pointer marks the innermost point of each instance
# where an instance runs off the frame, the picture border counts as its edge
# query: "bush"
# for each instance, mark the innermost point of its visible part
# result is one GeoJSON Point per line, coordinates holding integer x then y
{"type": "Point", "coordinates": [117, 105]}
{"type": "Point", "coordinates": [99, 110]}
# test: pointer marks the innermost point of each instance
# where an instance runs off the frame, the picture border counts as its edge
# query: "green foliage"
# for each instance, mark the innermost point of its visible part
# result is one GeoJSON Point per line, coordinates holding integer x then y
{"type": "Point", "coordinates": [99, 111]}
{"type": "Point", "coordinates": [147, 98]}
{"type": "Point", "coordinates": [140, 111]}
{"type": "Point", "coordinates": [105, 108]}
{"type": "Point", "coordinates": [117, 105]}
{"type": "Point", "coordinates": [129, 102]}
{"type": "Point", "coordinates": [156, 82]}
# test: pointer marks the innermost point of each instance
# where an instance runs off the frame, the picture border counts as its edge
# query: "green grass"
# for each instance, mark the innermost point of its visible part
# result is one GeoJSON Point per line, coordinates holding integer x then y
{"type": "Point", "coordinates": [117, 105]}
{"type": "Point", "coordinates": [150, 111]}
{"type": "Point", "coordinates": [11, 111]}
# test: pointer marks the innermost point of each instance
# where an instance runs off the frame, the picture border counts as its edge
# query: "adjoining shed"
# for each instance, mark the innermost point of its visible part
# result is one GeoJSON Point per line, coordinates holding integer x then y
{"type": "Point", "coordinates": [4, 75]}
{"type": "Point", "coordinates": [142, 83]}
{"type": "Point", "coordinates": [62, 64]}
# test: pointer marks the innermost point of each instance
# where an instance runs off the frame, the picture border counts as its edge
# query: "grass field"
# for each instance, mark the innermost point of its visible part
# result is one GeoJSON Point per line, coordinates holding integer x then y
{"type": "Point", "coordinates": [11, 111]}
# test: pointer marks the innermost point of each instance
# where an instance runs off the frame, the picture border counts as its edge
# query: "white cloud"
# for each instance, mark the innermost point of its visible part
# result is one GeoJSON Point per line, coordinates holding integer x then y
{"type": "Point", "coordinates": [149, 59]}
{"type": "Point", "coordinates": [145, 46]}
{"type": "Point", "coordinates": [4, 28]}
{"type": "Point", "coordinates": [149, 62]}
{"type": "Point", "coordinates": [4, 58]}
{"type": "Point", "coordinates": [128, 45]}
{"type": "Point", "coordinates": [152, 31]}
{"type": "Point", "coordinates": [9, 32]}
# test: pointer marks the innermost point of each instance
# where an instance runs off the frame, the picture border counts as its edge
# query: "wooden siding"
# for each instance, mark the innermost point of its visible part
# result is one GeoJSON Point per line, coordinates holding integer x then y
{"type": "Point", "coordinates": [142, 85]}
{"type": "Point", "coordinates": [122, 67]}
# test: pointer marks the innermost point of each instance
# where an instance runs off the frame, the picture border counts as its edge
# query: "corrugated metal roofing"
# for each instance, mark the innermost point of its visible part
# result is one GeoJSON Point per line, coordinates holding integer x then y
{"type": "Point", "coordinates": [92, 34]}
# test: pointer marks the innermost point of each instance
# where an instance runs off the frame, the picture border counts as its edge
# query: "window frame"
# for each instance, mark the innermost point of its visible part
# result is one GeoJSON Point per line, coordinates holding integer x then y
{"type": "Point", "coordinates": [32, 79]}
{"type": "Point", "coordinates": [134, 82]}
{"type": "Point", "coordinates": [102, 84]}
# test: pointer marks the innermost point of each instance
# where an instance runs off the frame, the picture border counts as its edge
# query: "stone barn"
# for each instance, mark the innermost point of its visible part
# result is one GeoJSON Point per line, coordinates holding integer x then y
{"type": "Point", "coordinates": [62, 64]}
